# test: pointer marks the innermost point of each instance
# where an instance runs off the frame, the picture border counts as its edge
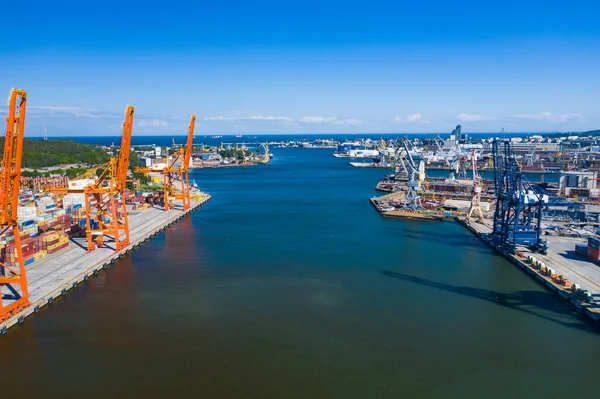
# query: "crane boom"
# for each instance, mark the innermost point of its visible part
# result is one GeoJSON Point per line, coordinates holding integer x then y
{"type": "Point", "coordinates": [188, 147]}
{"type": "Point", "coordinates": [123, 162]}
{"type": "Point", "coordinates": [11, 162]}
{"type": "Point", "coordinates": [409, 157]}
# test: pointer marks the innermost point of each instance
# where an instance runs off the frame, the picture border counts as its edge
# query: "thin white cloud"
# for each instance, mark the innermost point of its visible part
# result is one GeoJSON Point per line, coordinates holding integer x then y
{"type": "Point", "coordinates": [550, 117]}
{"type": "Point", "coordinates": [322, 120]}
{"type": "Point", "coordinates": [249, 118]}
{"type": "Point", "coordinates": [473, 118]}
{"type": "Point", "coordinates": [269, 118]}
{"type": "Point", "coordinates": [61, 111]}
{"type": "Point", "coordinates": [414, 118]}
{"type": "Point", "coordinates": [316, 119]}
{"type": "Point", "coordinates": [152, 122]}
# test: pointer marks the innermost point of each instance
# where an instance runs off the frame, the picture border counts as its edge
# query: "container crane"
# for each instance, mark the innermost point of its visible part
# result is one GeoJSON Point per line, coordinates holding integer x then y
{"type": "Point", "coordinates": [519, 204]}
{"type": "Point", "coordinates": [172, 173]}
{"type": "Point", "coordinates": [105, 215]}
{"type": "Point", "coordinates": [10, 179]}
{"type": "Point", "coordinates": [476, 198]}
{"type": "Point", "coordinates": [413, 200]}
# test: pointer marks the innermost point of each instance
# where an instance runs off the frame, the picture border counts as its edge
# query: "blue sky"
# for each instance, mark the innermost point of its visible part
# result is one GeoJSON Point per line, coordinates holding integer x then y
{"type": "Point", "coordinates": [304, 67]}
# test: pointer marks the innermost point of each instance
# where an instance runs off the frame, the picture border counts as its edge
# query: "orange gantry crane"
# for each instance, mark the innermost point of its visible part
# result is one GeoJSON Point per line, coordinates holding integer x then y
{"type": "Point", "coordinates": [105, 215]}
{"type": "Point", "coordinates": [14, 274]}
{"type": "Point", "coordinates": [172, 173]}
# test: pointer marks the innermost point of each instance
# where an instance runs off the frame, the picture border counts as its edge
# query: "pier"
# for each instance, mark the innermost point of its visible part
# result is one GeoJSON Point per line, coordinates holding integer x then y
{"type": "Point", "coordinates": [56, 275]}
{"type": "Point", "coordinates": [562, 260]}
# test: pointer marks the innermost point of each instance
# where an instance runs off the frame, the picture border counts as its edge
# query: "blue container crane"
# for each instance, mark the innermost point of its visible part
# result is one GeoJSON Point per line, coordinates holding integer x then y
{"type": "Point", "coordinates": [518, 214]}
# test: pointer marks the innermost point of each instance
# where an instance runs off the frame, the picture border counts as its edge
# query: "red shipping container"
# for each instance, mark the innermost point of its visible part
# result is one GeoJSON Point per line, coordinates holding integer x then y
{"type": "Point", "coordinates": [593, 254]}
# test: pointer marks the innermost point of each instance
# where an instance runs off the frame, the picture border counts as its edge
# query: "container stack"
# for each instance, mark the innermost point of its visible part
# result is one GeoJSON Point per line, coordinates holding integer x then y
{"type": "Point", "coordinates": [593, 249]}
{"type": "Point", "coordinates": [45, 204]}
{"type": "Point", "coordinates": [77, 214]}
{"type": "Point", "coordinates": [28, 226]}
{"type": "Point", "coordinates": [33, 248]}
{"type": "Point", "coordinates": [53, 242]}
{"type": "Point", "coordinates": [73, 201]}
{"type": "Point", "coordinates": [26, 212]}
{"type": "Point", "coordinates": [43, 227]}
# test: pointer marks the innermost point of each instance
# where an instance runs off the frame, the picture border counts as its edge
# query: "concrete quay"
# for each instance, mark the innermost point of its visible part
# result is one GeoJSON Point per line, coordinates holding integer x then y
{"type": "Point", "coordinates": [57, 274]}
{"type": "Point", "coordinates": [562, 258]}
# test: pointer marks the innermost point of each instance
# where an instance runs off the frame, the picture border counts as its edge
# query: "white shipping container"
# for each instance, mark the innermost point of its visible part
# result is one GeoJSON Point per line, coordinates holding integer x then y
{"type": "Point", "coordinates": [73, 199]}
{"type": "Point", "coordinates": [43, 203]}
{"type": "Point", "coordinates": [26, 212]}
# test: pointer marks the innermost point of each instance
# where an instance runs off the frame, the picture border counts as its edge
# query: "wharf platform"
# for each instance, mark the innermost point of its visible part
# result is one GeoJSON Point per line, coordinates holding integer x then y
{"type": "Point", "coordinates": [382, 205]}
{"type": "Point", "coordinates": [57, 274]}
{"type": "Point", "coordinates": [562, 258]}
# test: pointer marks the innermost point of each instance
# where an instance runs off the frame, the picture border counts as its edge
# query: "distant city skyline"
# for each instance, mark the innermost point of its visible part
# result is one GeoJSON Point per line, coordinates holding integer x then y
{"type": "Point", "coordinates": [319, 68]}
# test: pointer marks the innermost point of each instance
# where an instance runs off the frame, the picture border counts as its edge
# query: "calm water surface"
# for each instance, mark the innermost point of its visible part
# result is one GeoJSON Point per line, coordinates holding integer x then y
{"type": "Point", "coordinates": [289, 285]}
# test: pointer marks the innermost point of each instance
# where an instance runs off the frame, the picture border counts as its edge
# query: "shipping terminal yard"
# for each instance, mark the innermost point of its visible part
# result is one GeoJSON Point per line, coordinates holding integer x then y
{"type": "Point", "coordinates": [60, 232]}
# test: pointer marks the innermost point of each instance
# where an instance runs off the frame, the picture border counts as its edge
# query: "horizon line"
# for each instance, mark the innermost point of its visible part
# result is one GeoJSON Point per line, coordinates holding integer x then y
{"type": "Point", "coordinates": [310, 134]}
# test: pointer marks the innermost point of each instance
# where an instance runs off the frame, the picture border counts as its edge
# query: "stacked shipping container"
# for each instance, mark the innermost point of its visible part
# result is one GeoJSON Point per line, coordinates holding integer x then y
{"type": "Point", "coordinates": [593, 249]}
{"type": "Point", "coordinates": [43, 229]}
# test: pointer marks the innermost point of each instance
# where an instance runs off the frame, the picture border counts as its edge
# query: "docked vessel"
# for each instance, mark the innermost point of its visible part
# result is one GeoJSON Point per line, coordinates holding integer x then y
{"type": "Point", "coordinates": [368, 165]}
{"type": "Point", "coordinates": [412, 215]}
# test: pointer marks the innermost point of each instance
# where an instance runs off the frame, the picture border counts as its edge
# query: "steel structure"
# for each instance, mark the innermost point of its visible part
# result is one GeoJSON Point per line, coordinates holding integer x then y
{"type": "Point", "coordinates": [476, 198]}
{"type": "Point", "coordinates": [413, 199]}
{"type": "Point", "coordinates": [105, 209]}
{"type": "Point", "coordinates": [12, 275]}
{"type": "Point", "coordinates": [518, 214]}
{"type": "Point", "coordinates": [173, 173]}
